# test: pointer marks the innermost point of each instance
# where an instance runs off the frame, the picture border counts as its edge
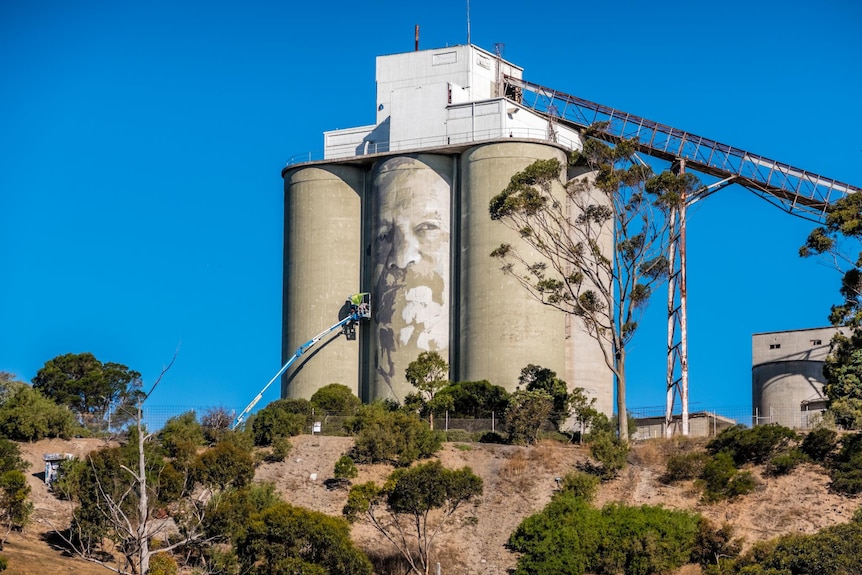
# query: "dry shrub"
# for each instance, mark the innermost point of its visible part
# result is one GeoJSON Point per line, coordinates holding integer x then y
{"type": "Point", "coordinates": [450, 557]}
{"type": "Point", "coordinates": [546, 455]}
{"type": "Point", "coordinates": [682, 444]}
{"type": "Point", "coordinates": [650, 453]}
{"type": "Point", "coordinates": [389, 562]}
{"type": "Point", "coordinates": [515, 465]}
{"type": "Point", "coordinates": [656, 452]}
{"type": "Point", "coordinates": [386, 562]}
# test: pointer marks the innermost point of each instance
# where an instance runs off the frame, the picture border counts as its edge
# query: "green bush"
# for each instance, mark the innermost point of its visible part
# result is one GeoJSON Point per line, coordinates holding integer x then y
{"type": "Point", "coordinates": [570, 537]}
{"type": "Point", "coordinates": [228, 513]}
{"type": "Point", "coordinates": [225, 465]}
{"type": "Point", "coordinates": [579, 484]}
{"type": "Point", "coordinates": [527, 413]}
{"type": "Point", "coordinates": [281, 418]}
{"type": "Point", "coordinates": [462, 435]}
{"type": "Point", "coordinates": [284, 539]}
{"type": "Point", "coordinates": [335, 398]}
{"type": "Point", "coordinates": [819, 444]}
{"type": "Point", "coordinates": [392, 436]}
{"type": "Point", "coordinates": [755, 445]}
{"type": "Point", "coordinates": [242, 437]}
{"type": "Point", "coordinates": [270, 537]}
{"type": "Point", "coordinates": [846, 466]}
{"type": "Point", "coordinates": [785, 462]}
{"type": "Point", "coordinates": [281, 448]}
{"type": "Point", "coordinates": [15, 507]}
{"type": "Point", "coordinates": [181, 437]}
{"type": "Point", "coordinates": [685, 466]}
{"type": "Point", "coordinates": [473, 399]}
{"type": "Point", "coordinates": [722, 480]}
{"type": "Point", "coordinates": [832, 551]}
{"type": "Point", "coordinates": [4, 563]}
{"type": "Point", "coordinates": [69, 477]}
{"type": "Point", "coordinates": [10, 456]}
{"type": "Point", "coordinates": [847, 412]}
{"type": "Point", "coordinates": [345, 468]}
{"type": "Point", "coordinates": [27, 415]}
{"type": "Point", "coordinates": [609, 451]}
{"type": "Point", "coordinates": [163, 564]}
{"type": "Point", "coordinates": [554, 435]}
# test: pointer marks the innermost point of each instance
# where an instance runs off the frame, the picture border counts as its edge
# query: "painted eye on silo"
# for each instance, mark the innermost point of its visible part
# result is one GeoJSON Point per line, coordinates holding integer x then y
{"type": "Point", "coordinates": [426, 227]}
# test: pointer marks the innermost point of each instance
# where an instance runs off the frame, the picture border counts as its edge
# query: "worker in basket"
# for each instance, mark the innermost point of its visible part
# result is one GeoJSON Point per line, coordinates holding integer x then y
{"type": "Point", "coordinates": [359, 304]}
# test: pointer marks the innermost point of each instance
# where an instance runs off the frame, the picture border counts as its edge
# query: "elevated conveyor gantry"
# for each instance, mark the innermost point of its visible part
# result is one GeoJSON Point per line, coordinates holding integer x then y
{"type": "Point", "coordinates": [799, 191]}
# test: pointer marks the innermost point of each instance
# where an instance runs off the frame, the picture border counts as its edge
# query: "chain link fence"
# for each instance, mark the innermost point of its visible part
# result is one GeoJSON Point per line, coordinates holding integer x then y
{"type": "Point", "coordinates": [650, 420]}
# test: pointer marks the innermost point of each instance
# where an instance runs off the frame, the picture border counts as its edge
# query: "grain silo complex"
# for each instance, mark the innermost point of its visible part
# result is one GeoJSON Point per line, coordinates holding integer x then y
{"type": "Point", "coordinates": [399, 208]}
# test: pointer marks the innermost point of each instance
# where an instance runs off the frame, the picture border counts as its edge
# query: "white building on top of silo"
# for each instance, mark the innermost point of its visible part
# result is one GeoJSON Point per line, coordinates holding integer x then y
{"type": "Point", "coordinates": [442, 97]}
{"type": "Point", "coordinates": [787, 376]}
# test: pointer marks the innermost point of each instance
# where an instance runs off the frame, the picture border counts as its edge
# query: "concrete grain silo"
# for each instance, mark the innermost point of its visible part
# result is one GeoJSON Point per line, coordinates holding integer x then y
{"type": "Point", "coordinates": [502, 328]}
{"type": "Point", "coordinates": [399, 208]}
{"type": "Point", "coordinates": [410, 263]}
{"type": "Point", "coordinates": [322, 249]}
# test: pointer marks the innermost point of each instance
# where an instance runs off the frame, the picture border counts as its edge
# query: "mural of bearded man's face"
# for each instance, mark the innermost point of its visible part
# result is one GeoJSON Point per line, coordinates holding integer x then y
{"type": "Point", "coordinates": [411, 251]}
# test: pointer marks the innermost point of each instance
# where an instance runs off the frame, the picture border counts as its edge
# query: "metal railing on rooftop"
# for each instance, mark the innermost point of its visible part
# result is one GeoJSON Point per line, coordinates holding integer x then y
{"type": "Point", "coordinates": [459, 139]}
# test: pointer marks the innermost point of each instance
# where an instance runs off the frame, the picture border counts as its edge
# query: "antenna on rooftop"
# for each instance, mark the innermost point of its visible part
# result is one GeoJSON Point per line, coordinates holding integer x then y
{"type": "Point", "coordinates": [468, 22]}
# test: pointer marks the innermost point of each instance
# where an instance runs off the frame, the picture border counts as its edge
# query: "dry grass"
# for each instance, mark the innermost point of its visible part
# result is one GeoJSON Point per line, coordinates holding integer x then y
{"type": "Point", "coordinates": [547, 455]}
{"type": "Point", "coordinates": [515, 466]}
{"type": "Point", "coordinates": [650, 453]}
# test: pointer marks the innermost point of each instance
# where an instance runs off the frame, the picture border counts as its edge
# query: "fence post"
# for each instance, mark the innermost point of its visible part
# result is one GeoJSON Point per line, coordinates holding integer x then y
{"type": "Point", "coordinates": [493, 429]}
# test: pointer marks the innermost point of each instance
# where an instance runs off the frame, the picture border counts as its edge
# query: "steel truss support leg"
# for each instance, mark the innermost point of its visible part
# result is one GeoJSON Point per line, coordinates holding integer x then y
{"type": "Point", "coordinates": [677, 326]}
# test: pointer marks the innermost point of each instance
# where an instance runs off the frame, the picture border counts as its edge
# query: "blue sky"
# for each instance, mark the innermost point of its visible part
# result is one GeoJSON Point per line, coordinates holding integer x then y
{"type": "Point", "coordinates": [141, 145]}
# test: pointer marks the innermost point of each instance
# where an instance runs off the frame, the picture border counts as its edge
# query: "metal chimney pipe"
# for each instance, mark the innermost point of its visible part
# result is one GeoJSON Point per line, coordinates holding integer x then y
{"type": "Point", "coordinates": [417, 38]}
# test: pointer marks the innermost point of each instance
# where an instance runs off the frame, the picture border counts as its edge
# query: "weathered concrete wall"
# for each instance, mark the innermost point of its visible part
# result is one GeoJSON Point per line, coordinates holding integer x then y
{"type": "Point", "coordinates": [322, 243]}
{"type": "Point", "coordinates": [502, 329]}
{"type": "Point", "coordinates": [586, 366]}
{"type": "Point", "coordinates": [787, 374]}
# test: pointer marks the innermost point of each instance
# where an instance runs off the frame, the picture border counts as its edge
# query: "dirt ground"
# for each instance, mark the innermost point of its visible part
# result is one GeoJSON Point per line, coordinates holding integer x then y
{"type": "Point", "coordinates": [517, 482]}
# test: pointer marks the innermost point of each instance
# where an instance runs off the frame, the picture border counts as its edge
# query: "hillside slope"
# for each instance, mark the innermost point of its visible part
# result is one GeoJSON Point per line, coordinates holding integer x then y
{"type": "Point", "coordinates": [518, 482]}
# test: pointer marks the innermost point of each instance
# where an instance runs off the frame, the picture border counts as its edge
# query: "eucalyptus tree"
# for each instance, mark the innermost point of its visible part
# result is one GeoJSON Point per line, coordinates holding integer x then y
{"type": "Point", "coordinates": [594, 245]}
{"type": "Point", "coordinates": [15, 507]}
{"type": "Point", "coordinates": [839, 242]}
{"type": "Point", "coordinates": [413, 506]}
{"type": "Point", "coordinates": [429, 373]}
{"type": "Point", "coordinates": [103, 394]}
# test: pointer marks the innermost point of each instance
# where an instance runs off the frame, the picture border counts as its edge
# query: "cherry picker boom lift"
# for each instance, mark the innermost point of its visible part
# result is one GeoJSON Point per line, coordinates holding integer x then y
{"type": "Point", "coordinates": [356, 308]}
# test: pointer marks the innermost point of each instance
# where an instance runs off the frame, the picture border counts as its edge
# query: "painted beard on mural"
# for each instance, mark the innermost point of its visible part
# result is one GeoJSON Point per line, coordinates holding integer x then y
{"type": "Point", "coordinates": [411, 274]}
